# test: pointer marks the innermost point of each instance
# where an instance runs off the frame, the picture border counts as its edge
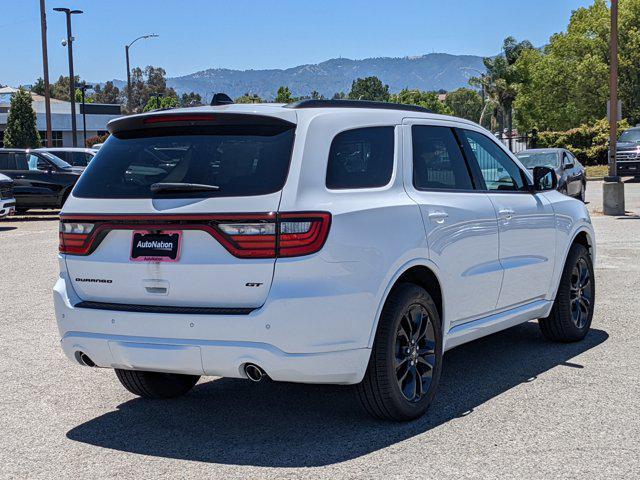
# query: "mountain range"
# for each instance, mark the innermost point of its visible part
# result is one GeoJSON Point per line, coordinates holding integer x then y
{"type": "Point", "coordinates": [433, 71]}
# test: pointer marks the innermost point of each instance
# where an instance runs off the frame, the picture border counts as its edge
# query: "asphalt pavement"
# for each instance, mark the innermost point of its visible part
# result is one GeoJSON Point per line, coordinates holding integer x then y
{"type": "Point", "coordinates": [511, 405]}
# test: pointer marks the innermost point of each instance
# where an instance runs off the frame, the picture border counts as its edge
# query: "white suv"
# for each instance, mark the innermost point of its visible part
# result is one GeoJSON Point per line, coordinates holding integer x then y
{"type": "Point", "coordinates": [318, 242]}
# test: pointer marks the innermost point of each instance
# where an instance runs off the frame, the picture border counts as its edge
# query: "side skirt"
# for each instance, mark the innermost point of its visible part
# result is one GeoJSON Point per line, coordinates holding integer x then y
{"type": "Point", "coordinates": [494, 323]}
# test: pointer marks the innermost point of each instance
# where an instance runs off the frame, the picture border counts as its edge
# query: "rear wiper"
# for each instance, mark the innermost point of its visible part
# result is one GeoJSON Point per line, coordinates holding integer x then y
{"type": "Point", "coordinates": [182, 187]}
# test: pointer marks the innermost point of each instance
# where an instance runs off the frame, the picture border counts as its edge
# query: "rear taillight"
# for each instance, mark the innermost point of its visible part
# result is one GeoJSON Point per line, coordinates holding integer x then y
{"type": "Point", "coordinates": [302, 234]}
{"type": "Point", "coordinates": [244, 236]}
{"type": "Point", "coordinates": [73, 237]}
{"type": "Point", "coordinates": [289, 235]}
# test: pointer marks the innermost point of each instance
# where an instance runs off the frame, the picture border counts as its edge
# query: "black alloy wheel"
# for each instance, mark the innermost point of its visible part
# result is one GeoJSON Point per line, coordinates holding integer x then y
{"type": "Point", "coordinates": [415, 356]}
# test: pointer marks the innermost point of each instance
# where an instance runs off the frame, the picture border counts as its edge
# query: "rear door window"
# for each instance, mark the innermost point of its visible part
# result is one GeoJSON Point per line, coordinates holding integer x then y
{"type": "Point", "coordinates": [240, 160]}
{"type": "Point", "coordinates": [361, 158]}
{"type": "Point", "coordinates": [438, 163]}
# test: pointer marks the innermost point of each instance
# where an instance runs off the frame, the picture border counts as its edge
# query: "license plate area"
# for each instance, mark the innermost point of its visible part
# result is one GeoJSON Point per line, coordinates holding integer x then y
{"type": "Point", "coordinates": [156, 246]}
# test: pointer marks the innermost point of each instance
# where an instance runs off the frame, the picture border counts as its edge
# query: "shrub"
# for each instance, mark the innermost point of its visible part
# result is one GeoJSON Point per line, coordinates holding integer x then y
{"type": "Point", "coordinates": [91, 141]}
{"type": "Point", "coordinates": [589, 143]}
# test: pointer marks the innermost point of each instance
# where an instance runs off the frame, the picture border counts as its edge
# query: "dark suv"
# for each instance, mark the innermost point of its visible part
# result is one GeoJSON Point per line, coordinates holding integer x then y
{"type": "Point", "coordinates": [628, 153]}
{"type": "Point", "coordinates": [41, 180]}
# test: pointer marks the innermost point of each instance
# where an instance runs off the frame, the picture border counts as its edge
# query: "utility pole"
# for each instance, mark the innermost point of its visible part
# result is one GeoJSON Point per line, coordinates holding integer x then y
{"type": "Point", "coordinates": [72, 78]}
{"type": "Point", "coordinates": [126, 53]}
{"type": "Point", "coordinates": [45, 74]}
{"type": "Point", "coordinates": [613, 188]}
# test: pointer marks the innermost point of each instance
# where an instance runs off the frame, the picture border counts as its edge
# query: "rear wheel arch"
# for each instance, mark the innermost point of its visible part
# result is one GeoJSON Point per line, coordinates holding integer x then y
{"type": "Point", "coordinates": [418, 274]}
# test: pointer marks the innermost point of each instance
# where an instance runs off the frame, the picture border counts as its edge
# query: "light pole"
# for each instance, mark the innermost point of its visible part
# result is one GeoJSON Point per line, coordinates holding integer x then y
{"type": "Point", "coordinates": [126, 52]}
{"type": "Point", "coordinates": [45, 71]}
{"type": "Point", "coordinates": [83, 89]}
{"type": "Point", "coordinates": [613, 188]}
{"type": "Point", "coordinates": [72, 80]}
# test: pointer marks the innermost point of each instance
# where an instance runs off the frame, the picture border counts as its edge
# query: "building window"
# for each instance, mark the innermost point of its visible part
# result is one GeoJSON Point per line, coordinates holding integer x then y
{"type": "Point", "coordinates": [56, 137]}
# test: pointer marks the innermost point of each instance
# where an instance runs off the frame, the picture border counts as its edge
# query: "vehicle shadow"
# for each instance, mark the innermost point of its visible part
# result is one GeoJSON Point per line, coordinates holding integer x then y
{"type": "Point", "coordinates": [7, 229]}
{"type": "Point", "coordinates": [271, 424]}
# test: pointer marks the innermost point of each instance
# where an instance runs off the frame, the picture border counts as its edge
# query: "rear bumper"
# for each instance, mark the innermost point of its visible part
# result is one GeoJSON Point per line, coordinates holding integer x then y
{"type": "Point", "coordinates": [225, 359]}
{"type": "Point", "coordinates": [287, 343]}
{"type": "Point", "coordinates": [7, 207]}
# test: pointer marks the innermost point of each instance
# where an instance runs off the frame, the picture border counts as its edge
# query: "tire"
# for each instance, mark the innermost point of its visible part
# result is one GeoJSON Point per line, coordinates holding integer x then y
{"type": "Point", "coordinates": [572, 312]}
{"type": "Point", "coordinates": [156, 385]}
{"type": "Point", "coordinates": [381, 393]}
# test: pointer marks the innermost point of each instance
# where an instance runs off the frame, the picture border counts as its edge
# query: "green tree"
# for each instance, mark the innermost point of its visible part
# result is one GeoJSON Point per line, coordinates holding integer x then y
{"type": "Point", "coordinates": [60, 89]}
{"type": "Point", "coordinates": [502, 80]}
{"type": "Point", "coordinates": [21, 131]}
{"type": "Point", "coordinates": [339, 96]}
{"type": "Point", "coordinates": [148, 83]}
{"type": "Point", "coordinates": [190, 99]}
{"type": "Point", "coordinates": [465, 103]}
{"type": "Point", "coordinates": [567, 83]}
{"type": "Point", "coordinates": [369, 88]}
{"type": "Point", "coordinates": [38, 87]}
{"type": "Point", "coordinates": [428, 100]}
{"type": "Point", "coordinates": [107, 94]}
{"type": "Point", "coordinates": [284, 95]}
{"type": "Point", "coordinates": [155, 102]}
{"type": "Point", "coordinates": [249, 98]}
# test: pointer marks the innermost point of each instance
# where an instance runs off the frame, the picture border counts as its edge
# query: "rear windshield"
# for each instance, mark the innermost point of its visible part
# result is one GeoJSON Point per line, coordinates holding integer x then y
{"type": "Point", "coordinates": [240, 160]}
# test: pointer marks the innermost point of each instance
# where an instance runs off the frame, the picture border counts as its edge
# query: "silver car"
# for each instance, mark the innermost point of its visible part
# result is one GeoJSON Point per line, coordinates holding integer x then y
{"type": "Point", "coordinates": [572, 177]}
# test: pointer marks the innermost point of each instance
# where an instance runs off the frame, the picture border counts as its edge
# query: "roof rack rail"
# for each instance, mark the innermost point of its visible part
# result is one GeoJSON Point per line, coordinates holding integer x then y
{"type": "Point", "coordinates": [356, 104]}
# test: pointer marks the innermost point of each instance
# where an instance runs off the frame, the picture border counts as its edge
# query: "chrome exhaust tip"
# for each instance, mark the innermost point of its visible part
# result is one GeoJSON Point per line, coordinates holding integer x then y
{"type": "Point", "coordinates": [83, 359]}
{"type": "Point", "coordinates": [254, 372]}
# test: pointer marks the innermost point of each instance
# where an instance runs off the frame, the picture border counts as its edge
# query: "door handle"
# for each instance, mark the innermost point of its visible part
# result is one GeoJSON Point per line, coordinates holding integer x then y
{"type": "Point", "coordinates": [18, 176]}
{"type": "Point", "coordinates": [506, 213]}
{"type": "Point", "coordinates": [438, 217]}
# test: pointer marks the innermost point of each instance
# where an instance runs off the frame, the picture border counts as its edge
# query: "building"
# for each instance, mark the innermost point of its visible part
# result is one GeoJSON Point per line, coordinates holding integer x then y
{"type": "Point", "coordinates": [97, 117]}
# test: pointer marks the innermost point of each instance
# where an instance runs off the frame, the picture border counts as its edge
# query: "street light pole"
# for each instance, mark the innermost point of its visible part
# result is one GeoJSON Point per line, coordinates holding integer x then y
{"type": "Point", "coordinates": [45, 69]}
{"type": "Point", "coordinates": [613, 188]}
{"type": "Point", "coordinates": [72, 79]}
{"type": "Point", "coordinates": [126, 53]}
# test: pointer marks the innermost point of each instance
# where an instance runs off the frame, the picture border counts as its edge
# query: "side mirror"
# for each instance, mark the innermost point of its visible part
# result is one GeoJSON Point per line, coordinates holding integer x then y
{"type": "Point", "coordinates": [568, 165]}
{"type": "Point", "coordinates": [544, 178]}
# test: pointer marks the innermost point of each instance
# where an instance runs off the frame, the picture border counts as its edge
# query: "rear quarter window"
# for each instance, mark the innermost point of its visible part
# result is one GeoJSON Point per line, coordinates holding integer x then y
{"type": "Point", "coordinates": [361, 158]}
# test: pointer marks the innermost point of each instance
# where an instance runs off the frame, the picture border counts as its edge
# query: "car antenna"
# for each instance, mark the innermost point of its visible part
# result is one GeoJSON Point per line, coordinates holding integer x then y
{"type": "Point", "coordinates": [221, 99]}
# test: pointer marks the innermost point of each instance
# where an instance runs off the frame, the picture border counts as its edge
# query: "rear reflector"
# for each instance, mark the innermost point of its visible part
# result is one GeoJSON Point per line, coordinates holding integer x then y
{"type": "Point", "coordinates": [244, 236]}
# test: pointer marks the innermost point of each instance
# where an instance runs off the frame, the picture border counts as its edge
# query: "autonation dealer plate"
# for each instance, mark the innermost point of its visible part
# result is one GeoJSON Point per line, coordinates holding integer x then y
{"type": "Point", "coordinates": [156, 247]}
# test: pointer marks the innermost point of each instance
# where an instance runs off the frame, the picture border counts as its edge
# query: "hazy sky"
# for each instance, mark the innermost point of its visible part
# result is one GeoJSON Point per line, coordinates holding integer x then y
{"type": "Point", "coordinates": [244, 34]}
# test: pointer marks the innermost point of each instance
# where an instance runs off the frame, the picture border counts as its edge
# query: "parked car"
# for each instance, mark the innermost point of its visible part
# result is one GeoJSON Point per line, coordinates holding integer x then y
{"type": "Point", "coordinates": [628, 153]}
{"type": "Point", "coordinates": [571, 174]}
{"type": "Point", "coordinates": [7, 202]}
{"type": "Point", "coordinates": [330, 241]}
{"type": "Point", "coordinates": [41, 180]}
{"type": "Point", "coordinates": [78, 158]}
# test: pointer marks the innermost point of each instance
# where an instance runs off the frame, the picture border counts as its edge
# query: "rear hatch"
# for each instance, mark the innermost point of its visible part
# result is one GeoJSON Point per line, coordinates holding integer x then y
{"type": "Point", "coordinates": [179, 210]}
